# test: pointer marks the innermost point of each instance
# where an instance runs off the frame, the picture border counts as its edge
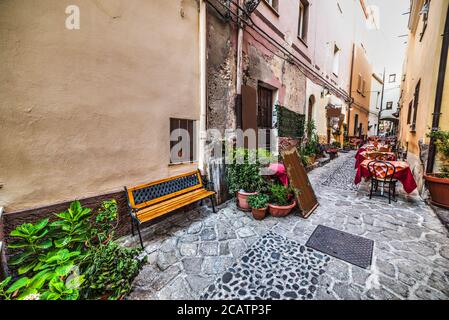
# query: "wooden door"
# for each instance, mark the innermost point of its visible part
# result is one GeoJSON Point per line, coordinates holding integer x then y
{"type": "Point", "coordinates": [249, 110]}
{"type": "Point", "coordinates": [300, 182]}
{"type": "Point", "coordinates": [265, 113]}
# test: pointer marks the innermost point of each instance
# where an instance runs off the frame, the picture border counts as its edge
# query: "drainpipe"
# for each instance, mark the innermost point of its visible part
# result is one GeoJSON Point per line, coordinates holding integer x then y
{"type": "Point", "coordinates": [350, 93]}
{"type": "Point", "coordinates": [203, 92]}
{"type": "Point", "coordinates": [381, 103]}
{"type": "Point", "coordinates": [439, 95]}
{"type": "Point", "coordinates": [239, 82]}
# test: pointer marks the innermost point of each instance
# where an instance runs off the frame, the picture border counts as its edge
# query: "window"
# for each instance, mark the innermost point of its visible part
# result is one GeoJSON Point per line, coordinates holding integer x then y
{"type": "Point", "coordinates": [425, 17]}
{"type": "Point", "coordinates": [415, 105]}
{"type": "Point", "coordinates": [336, 63]}
{"type": "Point", "coordinates": [389, 105]}
{"type": "Point", "coordinates": [392, 78]}
{"type": "Point", "coordinates": [273, 4]}
{"type": "Point", "coordinates": [359, 84]}
{"type": "Point", "coordinates": [356, 124]}
{"type": "Point", "coordinates": [182, 149]}
{"type": "Point", "coordinates": [303, 19]}
{"type": "Point", "coordinates": [409, 115]}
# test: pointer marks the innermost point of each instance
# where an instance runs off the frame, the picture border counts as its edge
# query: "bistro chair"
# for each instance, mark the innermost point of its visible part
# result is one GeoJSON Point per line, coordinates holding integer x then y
{"type": "Point", "coordinates": [382, 173]}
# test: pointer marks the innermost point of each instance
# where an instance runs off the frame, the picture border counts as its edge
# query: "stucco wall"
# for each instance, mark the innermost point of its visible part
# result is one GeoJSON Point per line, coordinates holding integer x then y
{"type": "Point", "coordinates": [361, 103]}
{"type": "Point", "coordinates": [423, 58]}
{"type": "Point", "coordinates": [86, 112]}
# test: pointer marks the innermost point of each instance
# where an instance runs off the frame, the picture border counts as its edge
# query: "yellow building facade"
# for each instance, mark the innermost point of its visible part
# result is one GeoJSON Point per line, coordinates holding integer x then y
{"type": "Point", "coordinates": [420, 82]}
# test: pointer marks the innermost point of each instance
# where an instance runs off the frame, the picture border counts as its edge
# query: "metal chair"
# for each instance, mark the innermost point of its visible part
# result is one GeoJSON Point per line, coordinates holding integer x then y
{"type": "Point", "coordinates": [382, 172]}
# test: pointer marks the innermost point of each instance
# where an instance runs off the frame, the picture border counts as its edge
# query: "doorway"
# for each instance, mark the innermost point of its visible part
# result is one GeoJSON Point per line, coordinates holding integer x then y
{"type": "Point", "coordinates": [310, 110]}
{"type": "Point", "coordinates": [265, 114]}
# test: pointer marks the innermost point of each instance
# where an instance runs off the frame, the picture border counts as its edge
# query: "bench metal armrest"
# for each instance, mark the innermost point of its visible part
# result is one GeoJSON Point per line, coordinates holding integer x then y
{"type": "Point", "coordinates": [209, 185]}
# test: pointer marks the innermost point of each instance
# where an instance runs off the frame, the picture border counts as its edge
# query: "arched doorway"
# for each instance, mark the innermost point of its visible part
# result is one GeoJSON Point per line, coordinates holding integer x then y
{"type": "Point", "coordinates": [310, 108]}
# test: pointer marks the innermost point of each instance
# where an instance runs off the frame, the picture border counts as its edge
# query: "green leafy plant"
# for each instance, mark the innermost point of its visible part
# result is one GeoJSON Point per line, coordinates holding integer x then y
{"type": "Point", "coordinates": [305, 158]}
{"type": "Point", "coordinates": [336, 144]}
{"type": "Point", "coordinates": [243, 172]}
{"type": "Point", "coordinates": [71, 230]}
{"type": "Point", "coordinates": [310, 147]}
{"type": "Point", "coordinates": [110, 270]}
{"type": "Point", "coordinates": [259, 201]}
{"type": "Point", "coordinates": [441, 139]}
{"type": "Point", "coordinates": [60, 290]}
{"type": "Point", "coordinates": [280, 195]}
{"type": "Point", "coordinates": [3, 289]}
{"type": "Point", "coordinates": [106, 216]}
{"type": "Point", "coordinates": [32, 243]}
{"type": "Point", "coordinates": [53, 258]}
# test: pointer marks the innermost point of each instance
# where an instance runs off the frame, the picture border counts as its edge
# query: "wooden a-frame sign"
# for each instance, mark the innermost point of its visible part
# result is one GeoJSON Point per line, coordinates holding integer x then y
{"type": "Point", "coordinates": [299, 180]}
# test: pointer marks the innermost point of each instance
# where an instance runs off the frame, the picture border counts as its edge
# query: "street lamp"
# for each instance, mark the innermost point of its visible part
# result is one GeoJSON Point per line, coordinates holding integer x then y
{"type": "Point", "coordinates": [251, 5]}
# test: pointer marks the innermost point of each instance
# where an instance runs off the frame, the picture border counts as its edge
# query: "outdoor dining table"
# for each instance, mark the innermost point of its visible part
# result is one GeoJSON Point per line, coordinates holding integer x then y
{"type": "Point", "coordinates": [368, 155]}
{"type": "Point", "coordinates": [403, 174]}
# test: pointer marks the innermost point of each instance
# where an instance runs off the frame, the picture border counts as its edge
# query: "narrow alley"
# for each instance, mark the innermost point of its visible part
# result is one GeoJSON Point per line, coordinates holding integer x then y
{"type": "Point", "coordinates": [191, 253]}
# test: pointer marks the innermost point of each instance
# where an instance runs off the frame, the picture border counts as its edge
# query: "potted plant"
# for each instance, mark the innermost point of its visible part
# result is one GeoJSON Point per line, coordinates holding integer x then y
{"type": "Point", "coordinates": [438, 183]}
{"type": "Point", "coordinates": [259, 205]}
{"type": "Point", "coordinates": [243, 174]}
{"type": "Point", "coordinates": [281, 201]}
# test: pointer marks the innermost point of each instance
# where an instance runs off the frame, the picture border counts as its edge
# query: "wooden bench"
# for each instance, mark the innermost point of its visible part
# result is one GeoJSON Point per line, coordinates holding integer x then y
{"type": "Point", "coordinates": [152, 200]}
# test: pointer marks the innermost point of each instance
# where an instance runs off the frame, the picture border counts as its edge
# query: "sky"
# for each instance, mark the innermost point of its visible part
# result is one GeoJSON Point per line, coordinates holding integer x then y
{"type": "Point", "coordinates": [393, 23]}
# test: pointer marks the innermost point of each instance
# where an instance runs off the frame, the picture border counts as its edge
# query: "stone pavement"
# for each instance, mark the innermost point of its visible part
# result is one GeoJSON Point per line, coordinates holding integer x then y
{"type": "Point", "coordinates": [188, 252]}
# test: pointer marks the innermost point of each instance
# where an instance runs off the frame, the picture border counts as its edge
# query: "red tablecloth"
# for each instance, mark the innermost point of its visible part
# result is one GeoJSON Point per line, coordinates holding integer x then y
{"type": "Point", "coordinates": [365, 155]}
{"type": "Point", "coordinates": [280, 172]}
{"type": "Point", "coordinates": [403, 174]}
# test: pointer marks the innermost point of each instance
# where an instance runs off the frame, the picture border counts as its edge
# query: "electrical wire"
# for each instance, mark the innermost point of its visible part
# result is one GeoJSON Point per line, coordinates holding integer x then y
{"type": "Point", "coordinates": [285, 51]}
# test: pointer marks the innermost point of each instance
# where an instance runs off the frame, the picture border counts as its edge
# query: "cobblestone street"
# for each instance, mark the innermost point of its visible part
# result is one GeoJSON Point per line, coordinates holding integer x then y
{"type": "Point", "coordinates": [187, 253]}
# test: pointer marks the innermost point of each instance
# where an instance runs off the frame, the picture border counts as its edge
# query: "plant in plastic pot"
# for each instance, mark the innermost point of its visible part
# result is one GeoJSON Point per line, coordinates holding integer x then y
{"type": "Point", "coordinates": [281, 201]}
{"type": "Point", "coordinates": [438, 183]}
{"type": "Point", "coordinates": [259, 205]}
{"type": "Point", "coordinates": [244, 176]}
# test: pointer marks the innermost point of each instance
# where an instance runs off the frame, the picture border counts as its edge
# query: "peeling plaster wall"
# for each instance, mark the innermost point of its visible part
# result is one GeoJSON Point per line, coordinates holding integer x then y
{"type": "Point", "coordinates": [86, 112]}
{"type": "Point", "coordinates": [288, 82]}
{"type": "Point", "coordinates": [221, 73]}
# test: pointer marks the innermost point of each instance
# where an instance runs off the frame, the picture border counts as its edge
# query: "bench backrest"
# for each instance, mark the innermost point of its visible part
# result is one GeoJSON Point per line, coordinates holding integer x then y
{"type": "Point", "coordinates": [148, 194]}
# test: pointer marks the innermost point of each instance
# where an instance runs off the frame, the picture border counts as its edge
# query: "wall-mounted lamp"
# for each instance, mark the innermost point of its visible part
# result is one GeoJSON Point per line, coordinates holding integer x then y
{"type": "Point", "coordinates": [425, 9]}
{"type": "Point", "coordinates": [251, 5]}
{"type": "Point", "coordinates": [325, 93]}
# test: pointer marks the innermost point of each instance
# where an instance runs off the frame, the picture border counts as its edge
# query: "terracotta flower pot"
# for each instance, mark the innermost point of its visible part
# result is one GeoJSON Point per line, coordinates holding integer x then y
{"type": "Point", "coordinates": [439, 190]}
{"type": "Point", "coordinates": [259, 214]}
{"type": "Point", "coordinates": [281, 211]}
{"type": "Point", "coordinates": [242, 198]}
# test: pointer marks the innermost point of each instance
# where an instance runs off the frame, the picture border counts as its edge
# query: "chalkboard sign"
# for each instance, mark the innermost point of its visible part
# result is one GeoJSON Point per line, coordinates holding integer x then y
{"type": "Point", "coordinates": [300, 182]}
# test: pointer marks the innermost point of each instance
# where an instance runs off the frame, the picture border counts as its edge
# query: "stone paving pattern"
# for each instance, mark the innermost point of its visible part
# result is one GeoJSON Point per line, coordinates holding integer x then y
{"type": "Point", "coordinates": [188, 252]}
{"type": "Point", "coordinates": [273, 268]}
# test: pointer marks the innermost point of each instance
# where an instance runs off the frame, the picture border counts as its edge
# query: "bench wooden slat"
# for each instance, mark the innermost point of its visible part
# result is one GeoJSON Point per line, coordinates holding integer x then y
{"type": "Point", "coordinates": [155, 199]}
{"type": "Point", "coordinates": [159, 209]}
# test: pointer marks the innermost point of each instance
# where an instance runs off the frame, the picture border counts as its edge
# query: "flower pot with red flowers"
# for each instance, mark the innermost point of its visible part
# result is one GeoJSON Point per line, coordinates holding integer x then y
{"type": "Point", "coordinates": [243, 174]}
{"type": "Point", "coordinates": [438, 183]}
{"type": "Point", "coordinates": [259, 205]}
{"type": "Point", "coordinates": [282, 201]}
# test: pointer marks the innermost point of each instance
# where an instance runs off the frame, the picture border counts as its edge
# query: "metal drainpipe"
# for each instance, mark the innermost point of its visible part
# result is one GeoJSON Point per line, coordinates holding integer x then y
{"type": "Point", "coordinates": [350, 93]}
{"type": "Point", "coordinates": [381, 103]}
{"type": "Point", "coordinates": [203, 91]}
{"type": "Point", "coordinates": [439, 94]}
{"type": "Point", "coordinates": [239, 82]}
